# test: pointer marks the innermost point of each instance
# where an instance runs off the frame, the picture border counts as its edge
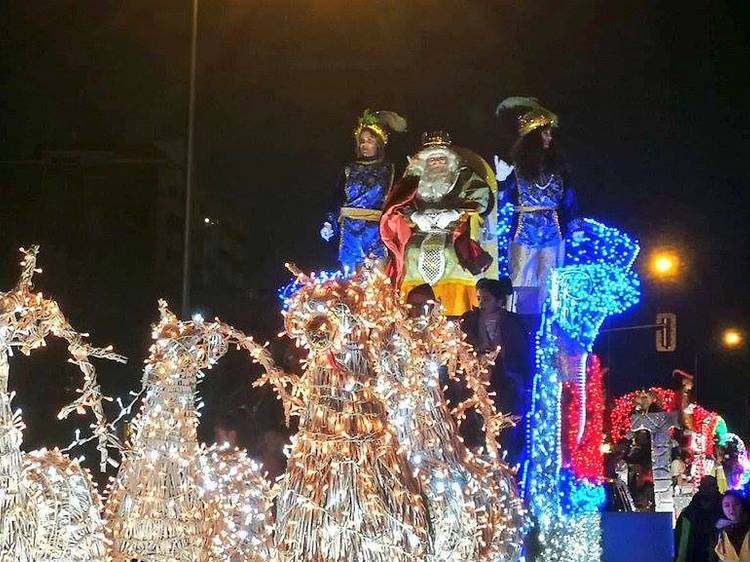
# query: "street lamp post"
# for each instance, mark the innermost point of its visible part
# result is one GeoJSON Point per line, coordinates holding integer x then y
{"type": "Point", "coordinates": [189, 166]}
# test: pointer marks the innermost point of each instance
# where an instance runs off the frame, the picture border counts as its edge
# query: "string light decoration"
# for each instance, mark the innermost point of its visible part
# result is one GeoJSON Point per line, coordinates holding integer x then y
{"type": "Point", "coordinates": [295, 284]}
{"type": "Point", "coordinates": [164, 504]}
{"type": "Point", "coordinates": [474, 507]}
{"type": "Point", "coordinates": [597, 284]}
{"type": "Point", "coordinates": [665, 400]}
{"type": "Point", "coordinates": [594, 243]}
{"type": "Point", "coordinates": [49, 506]}
{"type": "Point", "coordinates": [348, 493]}
{"type": "Point", "coordinates": [235, 483]}
{"type": "Point", "coordinates": [705, 428]}
{"type": "Point", "coordinates": [581, 496]}
{"type": "Point", "coordinates": [598, 291]}
{"type": "Point", "coordinates": [600, 244]}
{"type": "Point", "coordinates": [504, 226]}
{"type": "Point", "coordinates": [69, 522]}
{"type": "Point", "coordinates": [583, 455]}
{"type": "Point", "coordinates": [739, 476]}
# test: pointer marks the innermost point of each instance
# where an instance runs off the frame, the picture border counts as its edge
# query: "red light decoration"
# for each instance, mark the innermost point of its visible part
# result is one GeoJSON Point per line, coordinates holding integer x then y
{"type": "Point", "coordinates": [584, 458]}
{"type": "Point", "coordinates": [700, 421]}
{"type": "Point", "coordinates": [667, 401]}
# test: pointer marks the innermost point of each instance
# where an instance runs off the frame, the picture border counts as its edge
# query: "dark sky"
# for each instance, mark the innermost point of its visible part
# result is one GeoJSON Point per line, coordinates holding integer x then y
{"type": "Point", "coordinates": [652, 98]}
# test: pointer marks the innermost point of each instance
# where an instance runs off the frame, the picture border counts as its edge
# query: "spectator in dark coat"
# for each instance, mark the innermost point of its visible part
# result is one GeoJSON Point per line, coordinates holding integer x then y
{"type": "Point", "coordinates": [489, 327]}
{"type": "Point", "coordinates": [694, 531]}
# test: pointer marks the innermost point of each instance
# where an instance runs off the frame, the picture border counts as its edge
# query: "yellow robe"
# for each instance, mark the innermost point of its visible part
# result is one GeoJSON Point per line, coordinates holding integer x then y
{"type": "Point", "coordinates": [456, 288]}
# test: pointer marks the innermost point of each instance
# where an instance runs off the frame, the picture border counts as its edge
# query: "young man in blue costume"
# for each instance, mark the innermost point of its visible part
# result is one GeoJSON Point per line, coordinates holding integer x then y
{"type": "Point", "coordinates": [365, 184]}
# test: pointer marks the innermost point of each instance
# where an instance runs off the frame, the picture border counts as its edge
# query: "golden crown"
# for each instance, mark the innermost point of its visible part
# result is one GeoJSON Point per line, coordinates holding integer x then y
{"type": "Point", "coordinates": [378, 130]}
{"type": "Point", "coordinates": [369, 121]}
{"type": "Point", "coordinates": [436, 138]}
{"type": "Point", "coordinates": [534, 119]}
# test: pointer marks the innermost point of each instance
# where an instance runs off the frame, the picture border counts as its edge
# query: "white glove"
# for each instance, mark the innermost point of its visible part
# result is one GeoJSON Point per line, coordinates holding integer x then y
{"type": "Point", "coordinates": [446, 217]}
{"type": "Point", "coordinates": [422, 220]}
{"type": "Point", "coordinates": [326, 233]}
{"type": "Point", "coordinates": [502, 169]}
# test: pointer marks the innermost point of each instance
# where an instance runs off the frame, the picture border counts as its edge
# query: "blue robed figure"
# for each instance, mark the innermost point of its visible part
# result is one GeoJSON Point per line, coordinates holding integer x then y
{"type": "Point", "coordinates": [361, 193]}
{"type": "Point", "coordinates": [544, 209]}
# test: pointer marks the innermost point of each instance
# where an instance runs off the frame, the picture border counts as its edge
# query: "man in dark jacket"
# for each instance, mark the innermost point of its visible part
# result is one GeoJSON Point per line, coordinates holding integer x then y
{"type": "Point", "coordinates": [694, 532]}
{"type": "Point", "coordinates": [490, 327]}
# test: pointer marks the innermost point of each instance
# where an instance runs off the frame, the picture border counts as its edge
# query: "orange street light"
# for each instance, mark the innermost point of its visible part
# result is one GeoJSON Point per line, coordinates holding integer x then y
{"type": "Point", "coordinates": [664, 263]}
{"type": "Point", "coordinates": [732, 338]}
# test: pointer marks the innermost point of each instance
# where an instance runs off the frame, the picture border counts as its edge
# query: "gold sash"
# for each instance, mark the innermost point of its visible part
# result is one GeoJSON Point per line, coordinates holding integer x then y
{"type": "Point", "coordinates": [372, 215]}
{"type": "Point", "coordinates": [532, 208]}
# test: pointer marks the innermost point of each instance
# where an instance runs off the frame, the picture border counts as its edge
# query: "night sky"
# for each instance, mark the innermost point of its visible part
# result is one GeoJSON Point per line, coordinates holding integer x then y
{"type": "Point", "coordinates": [652, 98]}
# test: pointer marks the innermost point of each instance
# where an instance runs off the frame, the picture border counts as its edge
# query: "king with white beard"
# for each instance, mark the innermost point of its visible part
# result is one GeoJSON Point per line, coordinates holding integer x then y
{"type": "Point", "coordinates": [431, 225]}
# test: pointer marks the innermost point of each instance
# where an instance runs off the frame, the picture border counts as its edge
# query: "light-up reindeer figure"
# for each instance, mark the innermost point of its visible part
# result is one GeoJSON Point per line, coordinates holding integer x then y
{"type": "Point", "coordinates": [49, 506]}
{"type": "Point", "coordinates": [173, 500]}
{"type": "Point", "coordinates": [348, 494]}
{"type": "Point", "coordinates": [475, 510]}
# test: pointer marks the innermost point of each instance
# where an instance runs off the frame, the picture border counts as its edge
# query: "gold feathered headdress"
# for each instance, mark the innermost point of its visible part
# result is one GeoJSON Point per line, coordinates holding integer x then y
{"type": "Point", "coordinates": [531, 114]}
{"type": "Point", "coordinates": [379, 122]}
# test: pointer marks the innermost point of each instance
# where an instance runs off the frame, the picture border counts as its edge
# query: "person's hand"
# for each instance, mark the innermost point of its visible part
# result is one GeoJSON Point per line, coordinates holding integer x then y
{"type": "Point", "coordinates": [578, 236]}
{"type": "Point", "coordinates": [446, 217]}
{"type": "Point", "coordinates": [326, 233]}
{"type": "Point", "coordinates": [422, 220]}
{"type": "Point", "coordinates": [502, 168]}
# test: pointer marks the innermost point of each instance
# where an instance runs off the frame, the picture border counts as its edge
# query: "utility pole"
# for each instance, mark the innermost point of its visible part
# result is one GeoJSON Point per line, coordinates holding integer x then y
{"type": "Point", "coordinates": [189, 166]}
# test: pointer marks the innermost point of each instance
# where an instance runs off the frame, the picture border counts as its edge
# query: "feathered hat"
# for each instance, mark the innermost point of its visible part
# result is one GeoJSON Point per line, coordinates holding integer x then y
{"type": "Point", "coordinates": [530, 113]}
{"type": "Point", "coordinates": [378, 122]}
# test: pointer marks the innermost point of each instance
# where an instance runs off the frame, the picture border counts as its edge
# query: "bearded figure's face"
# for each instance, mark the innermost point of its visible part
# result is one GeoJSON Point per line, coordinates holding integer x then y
{"type": "Point", "coordinates": [437, 169]}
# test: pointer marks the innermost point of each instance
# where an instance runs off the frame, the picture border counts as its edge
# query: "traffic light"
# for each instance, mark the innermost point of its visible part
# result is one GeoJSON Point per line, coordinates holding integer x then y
{"type": "Point", "coordinates": [666, 332]}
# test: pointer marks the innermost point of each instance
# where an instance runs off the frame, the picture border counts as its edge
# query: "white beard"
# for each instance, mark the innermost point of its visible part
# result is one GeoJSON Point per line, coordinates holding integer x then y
{"type": "Point", "coordinates": [436, 184]}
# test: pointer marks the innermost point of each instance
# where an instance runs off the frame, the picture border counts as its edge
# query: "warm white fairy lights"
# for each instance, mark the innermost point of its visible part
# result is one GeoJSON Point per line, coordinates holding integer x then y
{"type": "Point", "coordinates": [377, 472]}
{"type": "Point", "coordinates": [348, 493]}
{"type": "Point", "coordinates": [171, 500]}
{"type": "Point", "coordinates": [368, 365]}
{"type": "Point", "coordinates": [49, 506]}
{"type": "Point", "coordinates": [236, 487]}
{"type": "Point", "coordinates": [70, 524]}
{"type": "Point", "coordinates": [475, 511]}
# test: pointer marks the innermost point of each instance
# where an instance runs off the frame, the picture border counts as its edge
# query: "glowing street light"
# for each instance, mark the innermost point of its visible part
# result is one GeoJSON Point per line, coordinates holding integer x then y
{"type": "Point", "coordinates": [732, 338]}
{"type": "Point", "coordinates": [664, 264]}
